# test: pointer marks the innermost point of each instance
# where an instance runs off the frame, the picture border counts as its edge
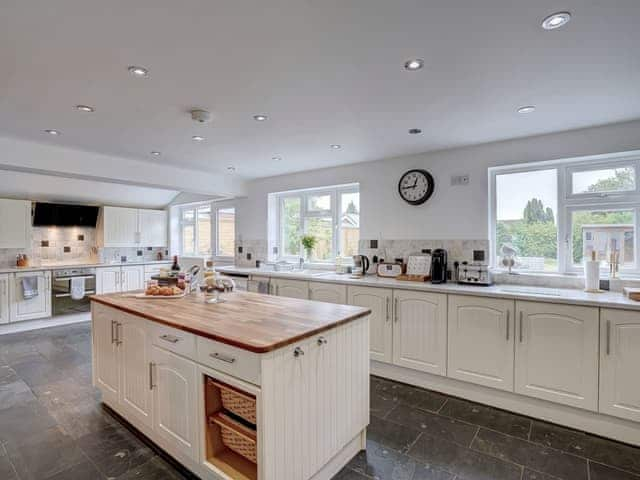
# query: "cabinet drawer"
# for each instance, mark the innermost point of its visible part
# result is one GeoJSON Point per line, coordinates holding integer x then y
{"type": "Point", "coordinates": [231, 360]}
{"type": "Point", "coordinates": [174, 340]}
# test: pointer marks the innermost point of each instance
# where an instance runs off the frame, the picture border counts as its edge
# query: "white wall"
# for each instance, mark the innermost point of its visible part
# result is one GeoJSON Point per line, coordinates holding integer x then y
{"type": "Point", "coordinates": [453, 212]}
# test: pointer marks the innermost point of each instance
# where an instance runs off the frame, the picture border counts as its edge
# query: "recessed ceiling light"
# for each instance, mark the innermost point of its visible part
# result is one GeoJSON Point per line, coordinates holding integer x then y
{"type": "Point", "coordinates": [335, 146]}
{"type": "Point", "coordinates": [556, 20]}
{"type": "Point", "coordinates": [85, 108]}
{"type": "Point", "coordinates": [415, 131]}
{"type": "Point", "coordinates": [155, 154]}
{"type": "Point", "coordinates": [527, 109]}
{"type": "Point", "coordinates": [197, 138]}
{"type": "Point", "coordinates": [260, 118]}
{"type": "Point", "coordinates": [52, 132]}
{"type": "Point", "coordinates": [231, 169]}
{"type": "Point", "coordinates": [413, 65]}
{"type": "Point", "coordinates": [276, 158]}
{"type": "Point", "coordinates": [140, 72]}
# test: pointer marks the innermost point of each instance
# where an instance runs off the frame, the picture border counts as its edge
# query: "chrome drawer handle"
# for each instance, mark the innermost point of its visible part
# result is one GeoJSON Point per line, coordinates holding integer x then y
{"type": "Point", "coordinates": [298, 352]}
{"type": "Point", "coordinates": [169, 338]}
{"type": "Point", "coordinates": [322, 341]}
{"type": "Point", "coordinates": [223, 358]}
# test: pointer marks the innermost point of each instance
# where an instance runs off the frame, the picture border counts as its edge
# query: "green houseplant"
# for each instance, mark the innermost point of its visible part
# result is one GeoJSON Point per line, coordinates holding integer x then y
{"type": "Point", "coordinates": [308, 242]}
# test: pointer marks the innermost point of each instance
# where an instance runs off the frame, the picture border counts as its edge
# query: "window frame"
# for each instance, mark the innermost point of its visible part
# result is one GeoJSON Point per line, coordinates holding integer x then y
{"type": "Point", "coordinates": [215, 251]}
{"type": "Point", "coordinates": [568, 202]}
{"type": "Point", "coordinates": [305, 213]}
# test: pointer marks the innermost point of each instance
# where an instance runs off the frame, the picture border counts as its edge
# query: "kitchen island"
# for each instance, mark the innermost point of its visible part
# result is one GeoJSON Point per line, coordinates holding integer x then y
{"type": "Point", "coordinates": [257, 387]}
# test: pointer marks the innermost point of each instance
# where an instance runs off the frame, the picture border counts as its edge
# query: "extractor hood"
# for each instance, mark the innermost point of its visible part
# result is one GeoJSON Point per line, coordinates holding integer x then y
{"type": "Point", "coordinates": [64, 215]}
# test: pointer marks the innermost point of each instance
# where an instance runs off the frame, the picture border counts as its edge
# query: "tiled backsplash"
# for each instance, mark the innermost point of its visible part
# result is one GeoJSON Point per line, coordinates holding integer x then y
{"type": "Point", "coordinates": [72, 245]}
{"type": "Point", "coordinates": [252, 250]}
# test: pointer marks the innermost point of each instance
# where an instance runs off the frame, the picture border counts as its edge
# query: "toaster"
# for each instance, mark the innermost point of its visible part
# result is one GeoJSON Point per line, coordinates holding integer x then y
{"type": "Point", "coordinates": [474, 274]}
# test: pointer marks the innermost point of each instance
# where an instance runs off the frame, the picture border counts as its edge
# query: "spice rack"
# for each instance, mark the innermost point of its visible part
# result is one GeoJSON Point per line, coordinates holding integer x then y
{"type": "Point", "coordinates": [231, 437]}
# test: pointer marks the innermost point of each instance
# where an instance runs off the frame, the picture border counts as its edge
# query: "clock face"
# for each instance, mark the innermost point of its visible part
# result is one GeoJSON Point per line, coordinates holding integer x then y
{"type": "Point", "coordinates": [416, 186]}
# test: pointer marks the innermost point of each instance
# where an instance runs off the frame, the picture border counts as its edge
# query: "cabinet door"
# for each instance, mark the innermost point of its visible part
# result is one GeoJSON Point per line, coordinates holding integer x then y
{"type": "Point", "coordinates": [378, 300]}
{"type": "Point", "coordinates": [32, 308]}
{"type": "Point", "coordinates": [420, 331]}
{"type": "Point", "coordinates": [17, 214]}
{"type": "Point", "coordinates": [4, 298]}
{"type": "Point", "coordinates": [120, 227]}
{"type": "Point", "coordinates": [132, 278]}
{"type": "Point", "coordinates": [108, 280]}
{"type": "Point", "coordinates": [557, 353]}
{"type": "Point", "coordinates": [328, 292]}
{"type": "Point", "coordinates": [106, 374]}
{"type": "Point", "coordinates": [292, 288]}
{"type": "Point", "coordinates": [481, 341]}
{"type": "Point", "coordinates": [135, 365]}
{"type": "Point", "coordinates": [175, 387]}
{"type": "Point", "coordinates": [153, 228]}
{"type": "Point", "coordinates": [619, 361]}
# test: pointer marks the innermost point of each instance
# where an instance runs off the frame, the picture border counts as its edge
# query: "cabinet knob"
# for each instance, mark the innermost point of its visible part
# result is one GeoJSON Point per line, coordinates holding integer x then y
{"type": "Point", "coordinates": [322, 341]}
{"type": "Point", "coordinates": [298, 352]}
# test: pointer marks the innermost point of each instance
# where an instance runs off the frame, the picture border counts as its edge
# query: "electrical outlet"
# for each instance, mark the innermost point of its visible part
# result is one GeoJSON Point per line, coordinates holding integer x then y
{"type": "Point", "coordinates": [460, 179]}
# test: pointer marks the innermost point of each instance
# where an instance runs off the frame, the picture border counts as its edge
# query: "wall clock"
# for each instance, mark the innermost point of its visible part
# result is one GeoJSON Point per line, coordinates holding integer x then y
{"type": "Point", "coordinates": [416, 186]}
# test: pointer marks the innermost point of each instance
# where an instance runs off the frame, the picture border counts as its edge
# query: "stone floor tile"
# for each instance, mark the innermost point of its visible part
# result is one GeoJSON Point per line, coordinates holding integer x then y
{"type": "Point", "coordinates": [392, 435]}
{"type": "Point", "coordinates": [411, 396]}
{"type": "Point", "coordinates": [7, 472]}
{"type": "Point", "coordinates": [21, 421]}
{"type": "Point", "coordinates": [597, 471]}
{"type": "Point", "coordinates": [15, 393]}
{"type": "Point", "coordinates": [537, 457]}
{"type": "Point", "coordinates": [488, 417]}
{"type": "Point", "coordinates": [82, 471]}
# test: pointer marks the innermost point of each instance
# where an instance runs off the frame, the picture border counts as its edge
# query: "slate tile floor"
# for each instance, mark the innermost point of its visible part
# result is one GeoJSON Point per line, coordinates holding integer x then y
{"type": "Point", "coordinates": [52, 426]}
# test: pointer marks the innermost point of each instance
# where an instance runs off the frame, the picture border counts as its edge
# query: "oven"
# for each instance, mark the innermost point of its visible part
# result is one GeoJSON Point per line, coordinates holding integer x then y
{"type": "Point", "coordinates": [63, 300]}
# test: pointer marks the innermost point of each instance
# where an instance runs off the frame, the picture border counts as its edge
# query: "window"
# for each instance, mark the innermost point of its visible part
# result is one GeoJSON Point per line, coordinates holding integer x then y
{"type": "Point", "coordinates": [331, 215]}
{"type": "Point", "coordinates": [198, 228]}
{"type": "Point", "coordinates": [551, 216]}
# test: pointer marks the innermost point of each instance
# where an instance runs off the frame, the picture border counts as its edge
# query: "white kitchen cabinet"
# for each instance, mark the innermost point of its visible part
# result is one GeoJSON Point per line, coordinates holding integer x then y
{"type": "Point", "coordinates": [4, 298]}
{"type": "Point", "coordinates": [106, 373]}
{"type": "Point", "coordinates": [290, 288]}
{"type": "Point", "coordinates": [481, 341]}
{"type": "Point", "coordinates": [33, 308]}
{"type": "Point", "coordinates": [132, 278]}
{"type": "Point", "coordinates": [420, 331]}
{"type": "Point", "coordinates": [153, 228]}
{"type": "Point", "coordinates": [15, 218]}
{"type": "Point", "coordinates": [328, 292]}
{"type": "Point", "coordinates": [108, 280]}
{"type": "Point", "coordinates": [378, 300]}
{"type": "Point", "coordinates": [119, 227]}
{"type": "Point", "coordinates": [619, 362]}
{"type": "Point", "coordinates": [174, 388]}
{"type": "Point", "coordinates": [557, 353]}
{"type": "Point", "coordinates": [134, 344]}
{"type": "Point", "coordinates": [257, 284]}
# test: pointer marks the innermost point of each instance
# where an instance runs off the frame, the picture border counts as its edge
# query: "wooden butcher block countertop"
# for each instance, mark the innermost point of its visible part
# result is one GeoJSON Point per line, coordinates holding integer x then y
{"type": "Point", "coordinates": [251, 321]}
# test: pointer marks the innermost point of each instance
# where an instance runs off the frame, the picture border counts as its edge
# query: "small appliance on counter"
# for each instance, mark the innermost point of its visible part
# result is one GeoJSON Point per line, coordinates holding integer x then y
{"type": "Point", "coordinates": [473, 274]}
{"type": "Point", "coordinates": [360, 266]}
{"type": "Point", "coordinates": [389, 270]}
{"type": "Point", "coordinates": [439, 266]}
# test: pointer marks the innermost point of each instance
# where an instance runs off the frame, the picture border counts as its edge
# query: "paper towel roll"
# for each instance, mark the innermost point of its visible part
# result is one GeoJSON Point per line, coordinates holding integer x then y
{"type": "Point", "coordinates": [591, 275]}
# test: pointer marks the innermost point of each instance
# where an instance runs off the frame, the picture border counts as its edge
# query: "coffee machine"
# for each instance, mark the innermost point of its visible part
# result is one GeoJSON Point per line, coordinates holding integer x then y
{"type": "Point", "coordinates": [439, 266]}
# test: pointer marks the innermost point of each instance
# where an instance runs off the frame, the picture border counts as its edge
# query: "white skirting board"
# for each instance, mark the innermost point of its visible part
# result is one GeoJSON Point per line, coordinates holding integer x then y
{"type": "Point", "coordinates": [596, 423]}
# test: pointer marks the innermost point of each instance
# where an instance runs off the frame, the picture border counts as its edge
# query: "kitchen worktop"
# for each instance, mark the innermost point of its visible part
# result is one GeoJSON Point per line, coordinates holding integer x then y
{"type": "Point", "coordinates": [506, 291]}
{"type": "Point", "coordinates": [258, 323]}
{"type": "Point", "coordinates": [60, 266]}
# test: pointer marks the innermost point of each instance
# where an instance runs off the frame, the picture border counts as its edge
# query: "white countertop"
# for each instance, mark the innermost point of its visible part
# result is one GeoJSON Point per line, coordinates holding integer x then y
{"type": "Point", "coordinates": [60, 266]}
{"type": "Point", "coordinates": [516, 292]}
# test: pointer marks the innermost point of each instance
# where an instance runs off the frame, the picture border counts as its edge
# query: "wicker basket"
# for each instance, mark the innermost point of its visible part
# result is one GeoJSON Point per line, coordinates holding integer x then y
{"type": "Point", "coordinates": [237, 402]}
{"type": "Point", "coordinates": [237, 437]}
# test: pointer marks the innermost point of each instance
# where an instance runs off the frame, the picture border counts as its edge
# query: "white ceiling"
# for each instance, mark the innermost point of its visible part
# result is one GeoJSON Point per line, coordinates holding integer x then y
{"type": "Point", "coordinates": [325, 71]}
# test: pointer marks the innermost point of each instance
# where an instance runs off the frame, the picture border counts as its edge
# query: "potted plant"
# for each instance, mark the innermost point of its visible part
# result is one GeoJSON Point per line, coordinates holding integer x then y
{"type": "Point", "coordinates": [308, 242]}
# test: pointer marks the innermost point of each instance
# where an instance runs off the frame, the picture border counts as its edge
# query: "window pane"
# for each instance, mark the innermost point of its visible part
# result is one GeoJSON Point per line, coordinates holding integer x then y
{"type": "Point", "coordinates": [526, 214]}
{"type": "Point", "coordinates": [604, 180]}
{"type": "Point", "coordinates": [188, 215]}
{"type": "Point", "coordinates": [204, 230]}
{"type": "Point", "coordinates": [290, 225]}
{"type": "Point", "coordinates": [318, 203]}
{"type": "Point", "coordinates": [226, 231]}
{"type": "Point", "coordinates": [349, 223]}
{"type": "Point", "coordinates": [322, 229]}
{"type": "Point", "coordinates": [188, 240]}
{"type": "Point", "coordinates": [605, 232]}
